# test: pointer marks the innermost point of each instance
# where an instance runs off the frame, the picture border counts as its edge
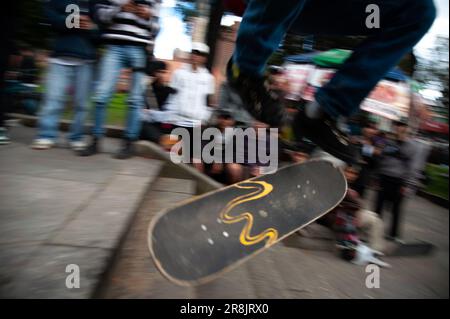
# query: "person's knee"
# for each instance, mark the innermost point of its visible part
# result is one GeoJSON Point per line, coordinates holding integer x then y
{"type": "Point", "coordinates": [425, 12]}
{"type": "Point", "coordinates": [101, 97]}
{"type": "Point", "coordinates": [235, 172]}
{"type": "Point", "coordinates": [136, 102]}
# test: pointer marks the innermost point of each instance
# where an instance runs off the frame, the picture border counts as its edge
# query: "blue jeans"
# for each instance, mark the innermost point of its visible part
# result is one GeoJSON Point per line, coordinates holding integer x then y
{"type": "Point", "coordinates": [402, 24]}
{"type": "Point", "coordinates": [116, 58]}
{"type": "Point", "coordinates": [59, 79]}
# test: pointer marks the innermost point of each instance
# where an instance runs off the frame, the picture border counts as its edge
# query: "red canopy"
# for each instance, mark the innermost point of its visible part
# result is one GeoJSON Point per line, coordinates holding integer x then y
{"type": "Point", "coordinates": [433, 126]}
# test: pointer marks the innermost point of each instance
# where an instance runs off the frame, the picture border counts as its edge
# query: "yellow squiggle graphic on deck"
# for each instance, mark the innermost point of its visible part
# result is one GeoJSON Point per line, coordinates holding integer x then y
{"type": "Point", "coordinates": [262, 189]}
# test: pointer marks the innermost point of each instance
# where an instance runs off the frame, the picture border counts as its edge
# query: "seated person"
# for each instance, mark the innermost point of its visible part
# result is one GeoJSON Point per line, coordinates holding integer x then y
{"type": "Point", "coordinates": [155, 99]}
{"type": "Point", "coordinates": [158, 91]}
{"type": "Point", "coordinates": [189, 105]}
{"type": "Point", "coordinates": [225, 173]}
{"type": "Point", "coordinates": [349, 220]}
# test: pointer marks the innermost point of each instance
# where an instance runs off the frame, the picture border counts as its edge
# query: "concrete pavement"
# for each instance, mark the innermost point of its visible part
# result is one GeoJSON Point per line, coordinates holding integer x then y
{"type": "Point", "coordinates": [59, 209]}
{"type": "Point", "coordinates": [287, 271]}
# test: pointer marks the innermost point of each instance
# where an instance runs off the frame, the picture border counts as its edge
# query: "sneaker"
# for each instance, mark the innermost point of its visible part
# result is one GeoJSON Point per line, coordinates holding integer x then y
{"type": "Point", "coordinates": [4, 139]}
{"type": "Point", "coordinates": [324, 133]}
{"type": "Point", "coordinates": [91, 149]}
{"type": "Point", "coordinates": [42, 144]}
{"type": "Point", "coordinates": [77, 145]}
{"type": "Point", "coordinates": [126, 151]}
{"type": "Point", "coordinates": [263, 104]}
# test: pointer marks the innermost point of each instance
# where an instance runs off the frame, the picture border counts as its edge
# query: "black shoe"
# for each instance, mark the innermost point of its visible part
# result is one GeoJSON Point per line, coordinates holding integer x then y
{"type": "Point", "coordinates": [263, 104]}
{"type": "Point", "coordinates": [92, 148]}
{"type": "Point", "coordinates": [126, 151]}
{"type": "Point", "coordinates": [324, 133]}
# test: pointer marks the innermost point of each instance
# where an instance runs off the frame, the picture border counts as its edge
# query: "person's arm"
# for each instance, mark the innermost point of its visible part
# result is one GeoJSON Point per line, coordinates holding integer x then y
{"type": "Point", "coordinates": [149, 11]}
{"type": "Point", "coordinates": [106, 10]}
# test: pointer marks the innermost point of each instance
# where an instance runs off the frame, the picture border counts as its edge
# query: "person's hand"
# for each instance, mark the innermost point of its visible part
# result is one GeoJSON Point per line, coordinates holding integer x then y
{"type": "Point", "coordinates": [143, 11]}
{"type": "Point", "coordinates": [129, 7]}
{"type": "Point", "coordinates": [254, 171]}
{"type": "Point", "coordinates": [216, 168]}
{"type": "Point", "coordinates": [86, 23]}
{"type": "Point", "coordinates": [406, 191]}
{"type": "Point", "coordinates": [11, 75]}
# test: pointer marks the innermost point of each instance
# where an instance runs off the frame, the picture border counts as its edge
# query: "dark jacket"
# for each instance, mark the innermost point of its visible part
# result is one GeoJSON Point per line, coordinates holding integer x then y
{"type": "Point", "coordinates": [396, 160]}
{"type": "Point", "coordinates": [70, 42]}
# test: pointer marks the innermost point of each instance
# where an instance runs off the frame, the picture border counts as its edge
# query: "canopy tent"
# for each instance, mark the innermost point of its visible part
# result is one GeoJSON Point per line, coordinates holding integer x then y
{"type": "Point", "coordinates": [334, 58]}
{"type": "Point", "coordinates": [308, 72]}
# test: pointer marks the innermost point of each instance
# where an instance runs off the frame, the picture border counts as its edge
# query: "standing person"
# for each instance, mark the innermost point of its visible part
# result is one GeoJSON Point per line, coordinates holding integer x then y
{"type": "Point", "coordinates": [395, 170]}
{"type": "Point", "coordinates": [369, 153]}
{"type": "Point", "coordinates": [9, 16]}
{"type": "Point", "coordinates": [401, 25]}
{"type": "Point", "coordinates": [129, 27]}
{"type": "Point", "coordinates": [71, 63]}
{"type": "Point", "coordinates": [193, 86]}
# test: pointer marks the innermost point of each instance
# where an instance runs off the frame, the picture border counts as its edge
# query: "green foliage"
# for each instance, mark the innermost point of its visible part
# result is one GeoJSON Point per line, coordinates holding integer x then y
{"type": "Point", "coordinates": [433, 71]}
{"type": "Point", "coordinates": [116, 111]}
{"type": "Point", "coordinates": [438, 180]}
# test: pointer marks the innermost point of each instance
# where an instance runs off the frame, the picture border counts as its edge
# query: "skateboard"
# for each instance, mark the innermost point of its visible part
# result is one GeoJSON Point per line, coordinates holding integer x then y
{"type": "Point", "coordinates": [204, 237]}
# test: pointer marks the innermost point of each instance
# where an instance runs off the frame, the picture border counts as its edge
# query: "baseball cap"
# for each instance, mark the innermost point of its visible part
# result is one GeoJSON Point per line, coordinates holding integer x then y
{"type": "Point", "coordinates": [200, 48]}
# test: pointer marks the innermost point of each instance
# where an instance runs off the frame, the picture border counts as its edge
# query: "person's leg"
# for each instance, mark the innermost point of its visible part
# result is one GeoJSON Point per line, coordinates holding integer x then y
{"type": "Point", "coordinates": [111, 64]}
{"type": "Point", "coordinates": [374, 226]}
{"type": "Point", "coordinates": [135, 57]}
{"type": "Point", "coordinates": [58, 79]}
{"type": "Point", "coordinates": [83, 83]}
{"type": "Point", "coordinates": [109, 72]}
{"type": "Point", "coordinates": [396, 206]}
{"type": "Point", "coordinates": [151, 132]}
{"type": "Point", "coordinates": [381, 196]}
{"type": "Point", "coordinates": [402, 24]}
{"type": "Point", "coordinates": [263, 27]}
{"type": "Point", "coordinates": [235, 172]}
{"type": "Point", "coordinates": [136, 103]}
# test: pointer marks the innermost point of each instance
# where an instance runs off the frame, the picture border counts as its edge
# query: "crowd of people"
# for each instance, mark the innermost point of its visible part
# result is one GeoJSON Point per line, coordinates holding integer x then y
{"type": "Point", "coordinates": [124, 30]}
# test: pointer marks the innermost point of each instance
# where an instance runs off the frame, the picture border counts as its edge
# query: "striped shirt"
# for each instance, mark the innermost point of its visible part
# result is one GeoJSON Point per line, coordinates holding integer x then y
{"type": "Point", "coordinates": [127, 28]}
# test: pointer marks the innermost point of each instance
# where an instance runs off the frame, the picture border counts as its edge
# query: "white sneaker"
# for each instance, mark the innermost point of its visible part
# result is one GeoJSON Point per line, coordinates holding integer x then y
{"type": "Point", "coordinates": [78, 145]}
{"type": "Point", "coordinates": [42, 144]}
{"type": "Point", "coordinates": [3, 137]}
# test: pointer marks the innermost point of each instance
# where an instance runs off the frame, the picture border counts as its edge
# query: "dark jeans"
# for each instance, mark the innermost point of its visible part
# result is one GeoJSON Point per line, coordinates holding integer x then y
{"type": "Point", "coordinates": [402, 25]}
{"type": "Point", "coordinates": [390, 190]}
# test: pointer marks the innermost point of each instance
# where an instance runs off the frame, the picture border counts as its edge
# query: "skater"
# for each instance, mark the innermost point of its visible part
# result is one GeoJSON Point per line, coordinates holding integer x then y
{"type": "Point", "coordinates": [265, 22]}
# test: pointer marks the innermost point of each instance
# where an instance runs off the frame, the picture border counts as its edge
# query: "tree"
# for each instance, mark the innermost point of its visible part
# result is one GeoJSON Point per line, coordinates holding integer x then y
{"type": "Point", "coordinates": [433, 70]}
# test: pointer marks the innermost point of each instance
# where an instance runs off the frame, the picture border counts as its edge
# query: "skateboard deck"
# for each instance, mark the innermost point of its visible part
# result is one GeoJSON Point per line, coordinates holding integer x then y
{"type": "Point", "coordinates": [202, 238]}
